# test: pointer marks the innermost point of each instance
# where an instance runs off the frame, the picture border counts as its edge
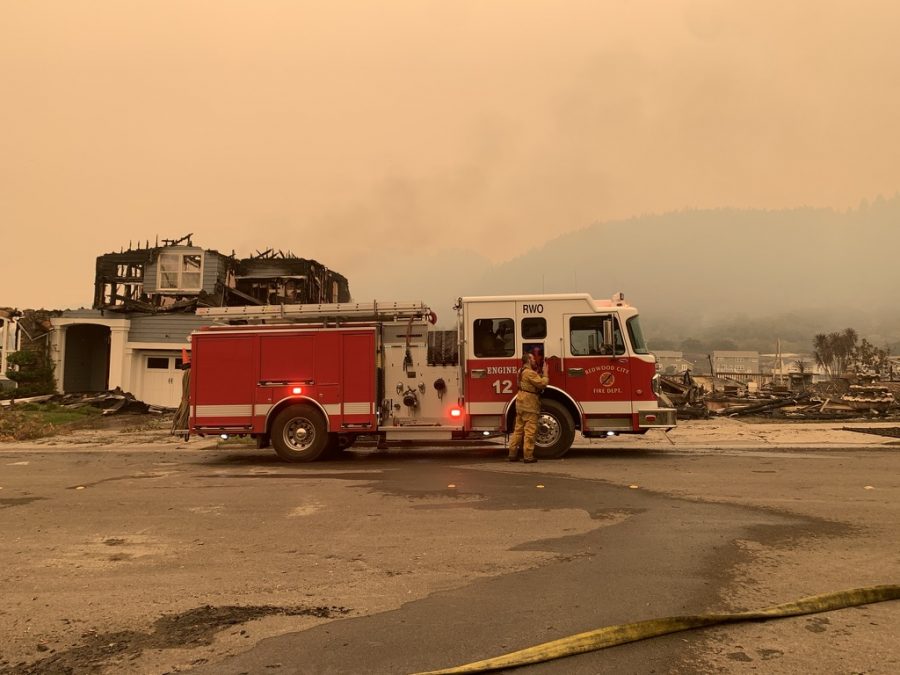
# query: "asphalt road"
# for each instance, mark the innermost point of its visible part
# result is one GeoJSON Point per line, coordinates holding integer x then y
{"type": "Point", "coordinates": [164, 558]}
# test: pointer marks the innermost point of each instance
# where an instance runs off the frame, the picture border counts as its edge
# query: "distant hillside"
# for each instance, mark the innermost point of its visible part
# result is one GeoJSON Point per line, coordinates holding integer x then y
{"type": "Point", "coordinates": [716, 263]}
{"type": "Point", "coordinates": [795, 330]}
{"type": "Point", "coordinates": [750, 276]}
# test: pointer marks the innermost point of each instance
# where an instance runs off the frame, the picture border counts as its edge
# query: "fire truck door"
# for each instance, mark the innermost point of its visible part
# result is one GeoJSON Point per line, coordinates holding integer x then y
{"type": "Point", "coordinates": [491, 363]}
{"type": "Point", "coordinates": [597, 375]}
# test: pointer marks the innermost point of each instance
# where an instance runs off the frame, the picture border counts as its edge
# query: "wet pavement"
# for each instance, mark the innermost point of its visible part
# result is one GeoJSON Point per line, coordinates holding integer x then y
{"type": "Point", "coordinates": [159, 557]}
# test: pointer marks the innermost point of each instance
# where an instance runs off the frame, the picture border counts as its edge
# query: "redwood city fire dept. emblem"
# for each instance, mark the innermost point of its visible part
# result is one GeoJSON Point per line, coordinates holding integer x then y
{"type": "Point", "coordinates": [607, 379]}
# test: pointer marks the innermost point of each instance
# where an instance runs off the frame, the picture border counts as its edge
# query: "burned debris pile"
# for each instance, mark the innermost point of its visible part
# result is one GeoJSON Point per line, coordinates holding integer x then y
{"type": "Point", "coordinates": [108, 402]}
{"type": "Point", "coordinates": [686, 396]}
{"type": "Point", "coordinates": [840, 399]}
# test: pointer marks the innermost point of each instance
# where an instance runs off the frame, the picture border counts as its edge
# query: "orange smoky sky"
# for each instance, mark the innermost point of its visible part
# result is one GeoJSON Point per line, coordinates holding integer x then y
{"type": "Point", "coordinates": [358, 133]}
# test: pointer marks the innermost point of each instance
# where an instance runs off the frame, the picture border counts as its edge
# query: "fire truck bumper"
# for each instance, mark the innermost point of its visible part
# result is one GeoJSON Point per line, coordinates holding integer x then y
{"type": "Point", "coordinates": [657, 418]}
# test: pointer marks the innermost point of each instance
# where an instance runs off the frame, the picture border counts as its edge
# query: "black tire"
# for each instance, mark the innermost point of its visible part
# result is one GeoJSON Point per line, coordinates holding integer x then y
{"type": "Point", "coordinates": [299, 434]}
{"type": "Point", "coordinates": [556, 430]}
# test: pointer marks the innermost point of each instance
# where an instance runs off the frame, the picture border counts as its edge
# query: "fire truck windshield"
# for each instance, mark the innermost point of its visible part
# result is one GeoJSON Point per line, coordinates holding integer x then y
{"type": "Point", "coordinates": [636, 336]}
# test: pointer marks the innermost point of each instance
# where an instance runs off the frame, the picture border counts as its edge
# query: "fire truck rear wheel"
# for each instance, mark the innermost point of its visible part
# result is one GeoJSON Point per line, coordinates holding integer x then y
{"type": "Point", "coordinates": [299, 434]}
{"type": "Point", "coordinates": [556, 431]}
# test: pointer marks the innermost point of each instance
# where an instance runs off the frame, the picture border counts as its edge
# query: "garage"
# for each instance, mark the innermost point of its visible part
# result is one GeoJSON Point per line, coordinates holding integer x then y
{"type": "Point", "coordinates": [161, 376]}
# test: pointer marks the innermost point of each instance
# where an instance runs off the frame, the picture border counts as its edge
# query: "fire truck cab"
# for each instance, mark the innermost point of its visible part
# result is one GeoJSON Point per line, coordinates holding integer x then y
{"type": "Point", "coordinates": [310, 379]}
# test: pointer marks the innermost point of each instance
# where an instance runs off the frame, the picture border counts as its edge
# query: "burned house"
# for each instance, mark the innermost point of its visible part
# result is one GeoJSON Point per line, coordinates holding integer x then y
{"type": "Point", "coordinates": [9, 343]}
{"type": "Point", "coordinates": [672, 362]}
{"type": "Point", "coordinates": [735, 363]}
{"type": "Point", "coordinates": [144, 306]}
{"type": "Point", "coordinates": [26, 368]}
{"type": "Point", "coordinates": [179, 276]}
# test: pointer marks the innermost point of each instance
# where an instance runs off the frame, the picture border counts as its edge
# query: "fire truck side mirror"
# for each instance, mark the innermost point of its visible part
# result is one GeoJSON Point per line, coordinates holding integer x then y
{"type": "Point", "coordinates": [608, 346]}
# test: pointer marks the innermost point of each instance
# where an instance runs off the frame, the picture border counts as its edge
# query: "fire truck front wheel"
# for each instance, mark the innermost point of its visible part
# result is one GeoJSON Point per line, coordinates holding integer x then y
{"type": "Point", "coordinates": [555, 432]}
{"type": "Point", "coordinates": [299, 434]}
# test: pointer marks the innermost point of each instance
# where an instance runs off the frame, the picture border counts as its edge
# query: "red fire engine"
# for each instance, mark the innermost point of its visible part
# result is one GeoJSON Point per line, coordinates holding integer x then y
{"type": "Point", "coordinates": [310, 379]}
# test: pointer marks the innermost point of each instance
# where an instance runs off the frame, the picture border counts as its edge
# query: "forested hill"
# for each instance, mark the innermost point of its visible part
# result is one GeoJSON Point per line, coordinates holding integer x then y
{"type": "Point", "coordinates": [716, 262]}
{"type": "Point", "coordinates": [745, 275]}
{"type": "Point", "coordinates": [738, 274]}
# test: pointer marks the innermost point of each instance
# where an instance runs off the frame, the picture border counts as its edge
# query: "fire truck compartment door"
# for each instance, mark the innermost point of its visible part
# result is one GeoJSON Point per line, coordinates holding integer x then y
{"type": "Point", "coordinates": [223, 394]}
{"type": "Point", "coordinates": [358, 379]}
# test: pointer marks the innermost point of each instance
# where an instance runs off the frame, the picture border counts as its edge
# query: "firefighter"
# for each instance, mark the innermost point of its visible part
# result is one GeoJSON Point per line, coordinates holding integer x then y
{"type": "Point", "coordinates": [528, 406]}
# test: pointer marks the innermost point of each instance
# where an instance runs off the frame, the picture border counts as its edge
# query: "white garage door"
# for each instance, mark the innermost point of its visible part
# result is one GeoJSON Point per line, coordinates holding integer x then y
{"type": "Point", "coordinates": [161, 381]}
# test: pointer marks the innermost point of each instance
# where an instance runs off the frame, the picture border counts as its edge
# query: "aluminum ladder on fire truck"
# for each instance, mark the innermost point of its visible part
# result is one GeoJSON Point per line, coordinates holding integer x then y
{"type": "Point", "coordinates": [328, 312]}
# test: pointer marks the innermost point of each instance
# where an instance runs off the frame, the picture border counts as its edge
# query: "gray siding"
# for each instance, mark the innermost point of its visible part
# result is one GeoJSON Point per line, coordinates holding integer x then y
{"type": "Point", "coordinates": [172, 328]}
{"type": "Point", "coordinates": [150, 276]}
{"type": "Point", "coordinates": [213, 270]}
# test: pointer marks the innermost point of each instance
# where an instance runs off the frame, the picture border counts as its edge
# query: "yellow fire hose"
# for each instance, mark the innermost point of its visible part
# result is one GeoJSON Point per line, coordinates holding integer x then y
{"type": "Point", "coordinates": [611, 636]}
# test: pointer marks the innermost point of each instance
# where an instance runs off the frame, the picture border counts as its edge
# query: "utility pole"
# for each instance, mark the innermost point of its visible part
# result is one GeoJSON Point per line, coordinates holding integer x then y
{"type": "Point", "coordinates": [779, 363]}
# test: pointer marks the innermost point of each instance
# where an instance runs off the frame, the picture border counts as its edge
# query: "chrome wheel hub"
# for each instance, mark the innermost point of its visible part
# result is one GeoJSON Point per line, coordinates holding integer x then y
{"type": "Point", "coordinates": [299, 434]}
{"type": "Point", "coordinates": [548, 431]}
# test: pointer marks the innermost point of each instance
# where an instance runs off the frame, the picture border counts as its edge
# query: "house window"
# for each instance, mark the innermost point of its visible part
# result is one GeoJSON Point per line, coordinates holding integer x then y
{"type": "Point", "coordinates": [180, 271]}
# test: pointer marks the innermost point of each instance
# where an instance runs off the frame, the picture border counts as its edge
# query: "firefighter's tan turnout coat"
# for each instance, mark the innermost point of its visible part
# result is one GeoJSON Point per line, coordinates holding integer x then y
{"type": "Point", "coordinates": [528, 405]}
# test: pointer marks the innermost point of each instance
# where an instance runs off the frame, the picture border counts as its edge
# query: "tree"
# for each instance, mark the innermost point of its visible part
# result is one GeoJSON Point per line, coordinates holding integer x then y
{"type": "Point", "coordinates": [846, 348]}
{"type": "Point", "coordinates": [823, 351]}
{"type": "Point", "coordinates": [842, 351]}
{"type": "Point", "coordinates": [32, 374]}
{"type": "Point", "coordinates": [834, 351]}
{"type": "Point", "coordinates": [868, 357]}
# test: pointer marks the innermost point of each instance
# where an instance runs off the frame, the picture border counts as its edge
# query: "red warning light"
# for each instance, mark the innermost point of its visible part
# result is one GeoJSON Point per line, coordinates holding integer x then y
{"type": "Point", "coordinates": [455, 412]}
{"type": "Point", "coordinates": [297, 390]}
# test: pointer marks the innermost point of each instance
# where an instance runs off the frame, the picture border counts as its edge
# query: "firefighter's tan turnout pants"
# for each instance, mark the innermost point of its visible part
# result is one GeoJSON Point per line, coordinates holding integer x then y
{"type": "Point", "coordinates": [525, 430]}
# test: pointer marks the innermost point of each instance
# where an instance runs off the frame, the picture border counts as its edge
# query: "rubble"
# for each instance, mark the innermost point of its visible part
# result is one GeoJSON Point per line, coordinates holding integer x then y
{"type": "Point", "coordinates": [835, 400]}
{"type": "Point", "coordinates": [28, 399]}
{"type": "Point", "coordinates": [866, 397]}
{"type": "Point", "coordinates": [686, 396]}
{"type": "Point", "coordinates": [110, 402]}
